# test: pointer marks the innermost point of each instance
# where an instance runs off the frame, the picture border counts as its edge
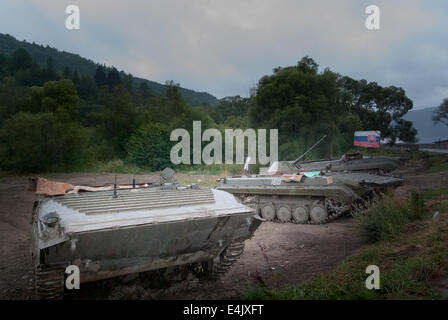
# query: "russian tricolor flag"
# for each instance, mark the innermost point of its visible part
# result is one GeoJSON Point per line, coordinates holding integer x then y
{"type": "Point", "coordinates": [367, 139]}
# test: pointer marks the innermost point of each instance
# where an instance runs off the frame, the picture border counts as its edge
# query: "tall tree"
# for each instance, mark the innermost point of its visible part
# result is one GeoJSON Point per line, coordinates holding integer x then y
{"type": "Point", "coordinates": [128, 82]}
{"type": "Point", "coordinates": [404, 131]}
{"type": "Point", "coordinates": [307, 65]}
{"type": "Point", "coordinates": [86, 88]}
{"type": "Point", "coordinates": [304, 104]}
{"type": "Point", "coordinates": [75, 78]}
{"type": "Point", "coordinates": [58, 97]}
{"type": "Point", "coordinates": [176, 109]}
{"type": "Point", "coordinates": [100, 77]}
{"type": "Point", "coordinates": [3, 61]}
{"type": "Point", "coordinates": [21, 60]}
{"type": "Point", "coordinates": [67, 74]}
{"type": "Point", "coordinates": [113, 78]}
{"type": "Point", "coordinates": [50, 71]}
{"type": "Point", "coordinates": [235, 106]}
{"type": "Point", "coordinates": [144, 91]}
{"type": "Point", "coordinates": [441, 113]}
{"type": "Point", "coordinates": [117, 119]}
{"type": "Point", "coordinates": [38, 142]}
{"type": "Point", "coordinates": [379, 108]}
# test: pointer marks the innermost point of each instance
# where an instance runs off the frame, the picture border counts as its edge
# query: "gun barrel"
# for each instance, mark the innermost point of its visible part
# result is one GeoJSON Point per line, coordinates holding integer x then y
{"type": "Point", "coordinates": [311, 148]}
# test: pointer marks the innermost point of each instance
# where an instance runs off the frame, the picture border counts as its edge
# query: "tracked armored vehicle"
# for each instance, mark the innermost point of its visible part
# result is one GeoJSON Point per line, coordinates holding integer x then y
{"type": "Point", "coordinates": [311, 197]}
{"type": "Point", "coordinates": [348, 162]}
{"type": "Point", "coordinates": [354, 162]}
{"type": "Point", "coordinates": [118, 232]}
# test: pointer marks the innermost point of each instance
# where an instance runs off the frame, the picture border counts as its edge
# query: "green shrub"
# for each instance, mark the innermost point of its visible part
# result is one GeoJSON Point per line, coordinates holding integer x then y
{"type": "Point", "coordinates": [40, 142]}
{"type": "Point", "coordinates": [149, 147]}
{"type": "Point", "coordinates": [386, 215]}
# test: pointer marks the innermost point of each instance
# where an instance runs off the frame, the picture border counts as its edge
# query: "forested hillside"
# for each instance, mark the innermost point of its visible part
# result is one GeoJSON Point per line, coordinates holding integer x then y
{"type": "Point", "coordinates": [64, 120]}
{"type": "Point", "coordinates": [86, 67]}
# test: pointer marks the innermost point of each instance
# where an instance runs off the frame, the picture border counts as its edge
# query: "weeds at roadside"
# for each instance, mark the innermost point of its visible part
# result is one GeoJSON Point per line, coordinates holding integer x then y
{"type": "Point", "coordinates": [407, 245]}
{"type": "Point", "coordinates": [386, 216]}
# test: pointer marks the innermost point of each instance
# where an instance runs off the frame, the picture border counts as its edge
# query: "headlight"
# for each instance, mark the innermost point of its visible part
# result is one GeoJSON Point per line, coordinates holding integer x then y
{"type": "Point", "coordinates": [50, 219]}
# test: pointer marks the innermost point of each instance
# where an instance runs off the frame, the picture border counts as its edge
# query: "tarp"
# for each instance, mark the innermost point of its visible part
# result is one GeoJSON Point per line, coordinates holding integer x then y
{"type": "Point", "coordinates": [54, 188]}
{"type": "Point", "coordinates": [367, 139]}
{"type": "Point", "coordinates": [311, 174]}
{"type": "Point", "coordinates": [291, 177]}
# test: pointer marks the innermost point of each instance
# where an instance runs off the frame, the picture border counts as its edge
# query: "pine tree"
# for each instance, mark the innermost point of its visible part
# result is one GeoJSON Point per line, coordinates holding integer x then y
{"type": "Point", "coordinates": [113, 78]}
{"type": "Point", "coordinates": [100, 77]}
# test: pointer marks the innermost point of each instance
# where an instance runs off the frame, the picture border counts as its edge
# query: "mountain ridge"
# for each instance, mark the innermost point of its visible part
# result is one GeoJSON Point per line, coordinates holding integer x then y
{"type": "Point", "coordinates": [85, 66]}
{"type": "Point", "coordinates": [426, 129]}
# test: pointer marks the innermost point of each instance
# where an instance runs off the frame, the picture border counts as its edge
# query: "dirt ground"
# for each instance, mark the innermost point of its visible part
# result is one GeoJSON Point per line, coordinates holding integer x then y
{"type": "Point", "coordinates": [418, 181]}
{"type": "Point", "coordinates": [277, 256]}
{"type": "Point", "coordinates": [280, 255]}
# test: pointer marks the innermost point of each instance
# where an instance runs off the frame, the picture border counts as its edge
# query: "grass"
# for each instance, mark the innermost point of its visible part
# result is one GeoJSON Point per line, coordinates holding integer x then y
{"type": "Point", "coordinates": [437, 162]}
{"type": "Point", "coordinates": [213, 169]}
{"type": "Point", "coordinates": [201, 180]}
{"type": "Point", "coordinates": [386, 216]}
{"type": "Point", "coordinates": [434, 162]}
{"type": "Point", "coordinates": [119, 166]}
{"type": "Point", "coordinates": [435, 193]}
{"type": "Point", "coordinates": [411, 254]}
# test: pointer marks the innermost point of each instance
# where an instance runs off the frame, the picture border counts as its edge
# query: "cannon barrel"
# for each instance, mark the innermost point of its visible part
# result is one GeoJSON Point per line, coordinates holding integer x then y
{"type": "Point", "coordinates": [307, 151]}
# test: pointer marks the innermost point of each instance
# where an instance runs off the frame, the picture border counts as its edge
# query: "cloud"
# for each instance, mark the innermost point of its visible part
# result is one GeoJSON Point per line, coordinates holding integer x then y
{"type": "Point", "coordinates": [224, 47]}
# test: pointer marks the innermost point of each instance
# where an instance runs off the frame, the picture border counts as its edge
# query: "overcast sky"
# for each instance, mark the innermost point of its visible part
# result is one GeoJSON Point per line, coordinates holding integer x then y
{"type": "Point", "coordinates": [225, 46]}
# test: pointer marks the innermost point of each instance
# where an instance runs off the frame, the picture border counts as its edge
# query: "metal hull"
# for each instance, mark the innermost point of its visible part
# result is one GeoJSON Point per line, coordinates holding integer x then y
{"type": "Point", "coordinates": [340, 193]}
{"type": "Point", "coordinates": [110, 253]}
{"type": "Point", "coordinates": [138, 230]}
{"type": "Point", "coordinates": [318, 187]}
{"type": "Point", "coordinates": [300, 199]}
{"type": "Point", "coordinates": [365, 164]}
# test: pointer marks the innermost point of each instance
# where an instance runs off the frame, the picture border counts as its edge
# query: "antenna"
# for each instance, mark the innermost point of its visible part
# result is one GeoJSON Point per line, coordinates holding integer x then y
{"type": "Point", "coordinates": [115, 188]}
{"type": "Point", "coordinates": [306, 152]}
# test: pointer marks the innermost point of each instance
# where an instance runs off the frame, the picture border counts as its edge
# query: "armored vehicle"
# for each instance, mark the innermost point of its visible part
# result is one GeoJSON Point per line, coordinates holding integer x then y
{"type": "Point", "coordinates": [348, 162]}
{"type": "Point", "coordinates": [122, 231]}
{"type": "Point", "coordinates": [310, 197]}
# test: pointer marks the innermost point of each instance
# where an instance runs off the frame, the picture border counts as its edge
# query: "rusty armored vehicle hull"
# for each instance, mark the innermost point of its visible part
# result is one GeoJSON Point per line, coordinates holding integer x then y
{"type": "Point", "coordinates": [311, 197]}
{"type": "Point", "coordinates": [134, 231]}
